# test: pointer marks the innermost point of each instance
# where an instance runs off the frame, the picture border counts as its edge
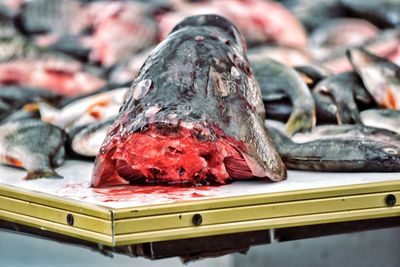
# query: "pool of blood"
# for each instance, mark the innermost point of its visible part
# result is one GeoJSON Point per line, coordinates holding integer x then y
{"type": "Point", "coordinates": [179, 157]}
{"type": "Point", "coordinates": [127, 193]}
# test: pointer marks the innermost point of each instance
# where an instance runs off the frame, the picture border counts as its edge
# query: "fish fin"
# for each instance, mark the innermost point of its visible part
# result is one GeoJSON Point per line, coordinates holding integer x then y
{"type": "Point", "coordinates": [42, 174]}
{"type": "Point", "coordinates": [300, 122]}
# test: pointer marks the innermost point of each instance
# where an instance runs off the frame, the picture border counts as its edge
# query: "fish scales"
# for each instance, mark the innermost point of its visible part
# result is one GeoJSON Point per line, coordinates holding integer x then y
{"type": "Point", "coordinates": [193, 112]}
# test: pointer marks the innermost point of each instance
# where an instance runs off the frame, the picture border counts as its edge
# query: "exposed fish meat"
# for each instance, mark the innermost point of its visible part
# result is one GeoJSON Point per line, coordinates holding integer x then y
{"type": "Point", "coordinates": [194, 115]}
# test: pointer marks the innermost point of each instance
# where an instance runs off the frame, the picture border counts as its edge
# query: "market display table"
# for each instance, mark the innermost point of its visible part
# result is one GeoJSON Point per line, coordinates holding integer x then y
{"type": "Point", "coordinates": [128, 215]}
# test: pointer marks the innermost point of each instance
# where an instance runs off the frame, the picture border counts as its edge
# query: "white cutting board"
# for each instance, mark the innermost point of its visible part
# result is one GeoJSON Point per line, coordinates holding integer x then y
{"type": "Point", "coordinates": [76, 186]}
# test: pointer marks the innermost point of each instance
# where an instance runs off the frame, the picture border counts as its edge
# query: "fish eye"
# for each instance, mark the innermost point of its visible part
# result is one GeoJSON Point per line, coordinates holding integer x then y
{"type": "Point", "coordinates": [390, 150]}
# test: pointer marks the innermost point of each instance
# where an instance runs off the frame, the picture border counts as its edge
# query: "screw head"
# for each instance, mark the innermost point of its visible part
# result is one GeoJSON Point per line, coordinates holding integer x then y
{"type": "Point", "coordinates": [197, 219]}
{"type": "Point", "coordinates": [390, 200]}
{"type": "Point", "coordinates": [70, 219]}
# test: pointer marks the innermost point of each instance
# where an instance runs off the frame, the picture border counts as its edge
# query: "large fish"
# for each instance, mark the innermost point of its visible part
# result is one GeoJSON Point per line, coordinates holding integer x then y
{"type": "Point", "coordinates": [380, 76]}
{"type": "Point", "coordinates": [33, 145]}
{"type": "Point", "coordinates": [277, 81]}
{"type": "Point", "coordinates": [388, 119]}
{"type": "Point", "coordinates": [194, 115]}
{"type": "Point", "coordinates": [338, 154]}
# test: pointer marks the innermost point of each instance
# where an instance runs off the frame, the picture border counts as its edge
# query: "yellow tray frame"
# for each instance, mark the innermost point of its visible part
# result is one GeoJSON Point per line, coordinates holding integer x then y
{"type": "Point", "coordinates": [127, 226]}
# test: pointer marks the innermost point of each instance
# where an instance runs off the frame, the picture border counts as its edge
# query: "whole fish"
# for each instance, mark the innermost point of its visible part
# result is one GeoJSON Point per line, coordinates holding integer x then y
{"type": "Point", "coordinates": [194, 115]}
{"type": "Point", "coordinates": [277, 81]}
{"type": "Point", "coordinates": [85, 141]}
{"type": "Point", "coordinates": [338, 154]}
{"type": "Point", "coordinates": [388, 119]}
{"type": "Point", "coordinates": [344, 89]}
{"type": "Point", "coordinates": [34, 145]}
{"type": "Point", "coordinates": [85, 110]}
{"type": "Point", "coordinates": [380, 76]}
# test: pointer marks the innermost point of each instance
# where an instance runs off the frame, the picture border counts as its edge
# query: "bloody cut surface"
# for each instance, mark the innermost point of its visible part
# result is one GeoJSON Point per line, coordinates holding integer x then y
{"type": "Point", "coordinates": [193, 116]}
{"type": "Point", "coordinates": [166, 154]}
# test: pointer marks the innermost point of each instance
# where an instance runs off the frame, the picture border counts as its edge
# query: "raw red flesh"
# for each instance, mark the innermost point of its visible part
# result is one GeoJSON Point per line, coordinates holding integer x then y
{"type": "Point", "coordinates": [178, 158]}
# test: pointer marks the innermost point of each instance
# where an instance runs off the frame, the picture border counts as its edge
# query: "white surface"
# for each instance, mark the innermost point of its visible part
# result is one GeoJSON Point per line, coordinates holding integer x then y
{"type": "Point", "coordinates": [76, 186]}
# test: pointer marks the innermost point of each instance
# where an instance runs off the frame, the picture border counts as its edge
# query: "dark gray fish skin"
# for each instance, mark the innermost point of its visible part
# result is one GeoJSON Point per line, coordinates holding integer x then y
{"type": "Point", "coordinates": [380, 76]}
{"type": "Point", "coordinates": [326, 108]}
{"type": "Point", "coordinates": [72, 46]}
{"type": "Point", "coordinates": [337, 154]}
{"type": "Point", "coordinates": [388, 119]}
{"type": "Point", "coordinates": [384, 13]}
{"type": "Point", "coordinates": [278, 81]}
{"type": "Point", "coordinates": [13, 98]}
{"type": "Point", "coordinates": [279, 109]}
{"type": "Point", "coordinates": [198, 76]}
{"type": "Point", "coordinates": [349, 131]}
{"type": "Point", "coordinates": [343, 89]}
{"type": "Point", "coordinates": [33, 145]}
{"type": "Point", "coordinates": [85, 141]}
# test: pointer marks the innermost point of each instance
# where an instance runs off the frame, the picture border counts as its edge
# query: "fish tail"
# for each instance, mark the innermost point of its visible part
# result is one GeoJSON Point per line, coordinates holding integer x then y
{"type": "Point", "coordinates": [300, 122]}
{"type": "Point", "coordinates": [50, 174]}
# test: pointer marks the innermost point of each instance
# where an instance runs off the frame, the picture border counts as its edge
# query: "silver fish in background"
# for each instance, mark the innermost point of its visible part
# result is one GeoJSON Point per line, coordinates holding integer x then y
{"type": "Point", "coordinates": [388, 119]}
{"type": "Point", "coordinates": [36, 146]}
{"type": "Point", "coordinates": [342, 91]}
{"type": "Point", "coordinates": [380, 76]}
{"type": "Point", "coordinates": [85, 141]}
{"type": "Point", "coordinates": [277, 81]}
{"type": "Point", "coordinates": [337, 154]}
{"type": "Point", "coordinates": [194, 115]}
{"type": "Point", "coordinates": [85, 110]}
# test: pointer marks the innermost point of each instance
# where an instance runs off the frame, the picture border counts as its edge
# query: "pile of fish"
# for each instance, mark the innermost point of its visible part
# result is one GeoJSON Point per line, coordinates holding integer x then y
{"type": "Point", "coordinates": [162, 94]}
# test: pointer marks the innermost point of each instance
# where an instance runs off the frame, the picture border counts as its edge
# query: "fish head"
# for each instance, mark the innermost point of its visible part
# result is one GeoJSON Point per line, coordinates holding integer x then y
{"type": "Point", "coordinates": [380, 76]}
